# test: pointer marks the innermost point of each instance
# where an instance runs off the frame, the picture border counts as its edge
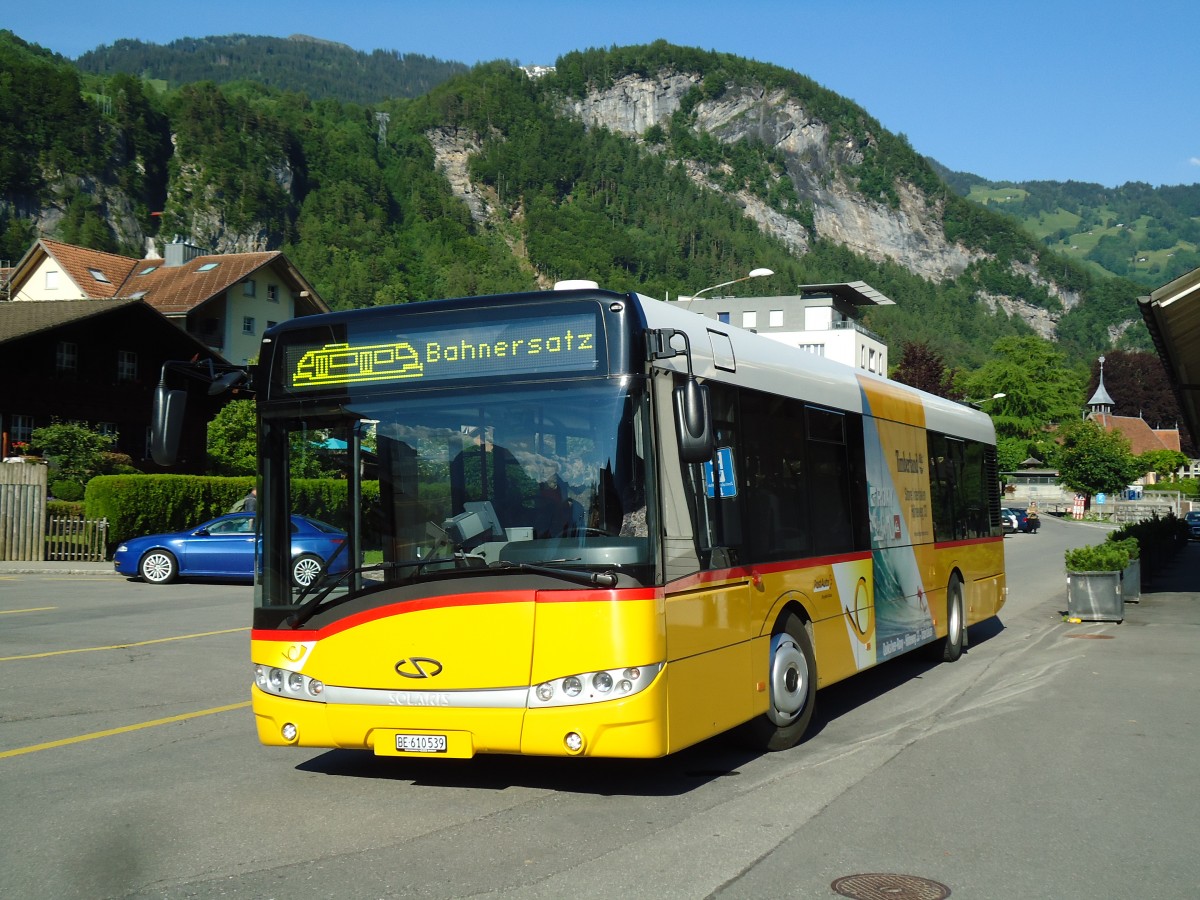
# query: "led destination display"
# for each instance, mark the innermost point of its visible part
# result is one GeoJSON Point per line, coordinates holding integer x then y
{"type": "Point", "coordinates": [529, 345]}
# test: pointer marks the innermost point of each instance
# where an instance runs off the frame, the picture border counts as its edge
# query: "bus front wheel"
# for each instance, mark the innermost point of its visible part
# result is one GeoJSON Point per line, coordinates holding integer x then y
{"type": "Point", "coordinates": [793, 687]}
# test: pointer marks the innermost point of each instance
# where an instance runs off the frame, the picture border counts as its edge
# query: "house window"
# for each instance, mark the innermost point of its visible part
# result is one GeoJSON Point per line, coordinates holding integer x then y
{"type": "Point", "coordinates": [52, 280]}
{"type": "Point", "coordinates": [99, 276]}
{"type": "Point", "coordinates": [22, 428]}
{"type": "Point", "coordinates": [107, 428]}
{"type": "Point", "coordinates": [723, 317]}
{"type": "Point", "coordinates": [207, 267]}
{"type": "Point", "coordinates": [127, 365]}
{"type": "Point", "coordinates": [776, 318]}
{"type": "Point", "coordinates": [749, 317]}
{"type": "Point", "coordinates": [248, 288]}
{"type": "Point", "coordinates": [66, 356]}
{"type": "Point", "coordinates": [871, 364]}
{"type": "Point", "coordinates": [273, 293]}
{"type": "Point", "coordinates": [147, 270]}
{"type": "Point", "coordinates": [247, 324]}
{"type": "Point", "coordinates": [816, 349]}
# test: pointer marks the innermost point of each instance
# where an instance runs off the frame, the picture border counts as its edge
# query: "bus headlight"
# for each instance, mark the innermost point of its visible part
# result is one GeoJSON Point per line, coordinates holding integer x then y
{"type": "Point", "coordinates": [593, 687]}
{"type": "Point", "coordinates": [284, 683]}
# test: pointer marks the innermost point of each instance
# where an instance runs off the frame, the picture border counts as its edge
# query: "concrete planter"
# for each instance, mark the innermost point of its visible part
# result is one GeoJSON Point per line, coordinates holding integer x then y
{"type": "Point", "coordinates": [1131, 582]}
{"type": "Point", "coordinates": [1095, 596]}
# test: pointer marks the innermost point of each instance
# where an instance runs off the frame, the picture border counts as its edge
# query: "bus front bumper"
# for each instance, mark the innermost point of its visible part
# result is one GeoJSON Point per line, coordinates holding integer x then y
{"type": "Point", "coordinates": [633, 727]}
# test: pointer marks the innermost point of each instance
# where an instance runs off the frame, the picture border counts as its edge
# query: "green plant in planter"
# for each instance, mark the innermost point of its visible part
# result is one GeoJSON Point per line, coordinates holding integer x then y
{"type": "Point", "coordinates": [1107, 557]}
{"type": "Point", "coordinates": [1131, 545]}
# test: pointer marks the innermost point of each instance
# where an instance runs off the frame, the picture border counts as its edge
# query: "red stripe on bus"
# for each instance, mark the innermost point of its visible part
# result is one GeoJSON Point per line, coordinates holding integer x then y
{"type": "Point", "coordinates": [450, 601]}
{"type": "Point", "coordinates": [746, 572]}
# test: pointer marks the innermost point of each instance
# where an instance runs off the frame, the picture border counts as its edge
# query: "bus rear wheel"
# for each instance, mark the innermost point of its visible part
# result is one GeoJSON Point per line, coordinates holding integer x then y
{"type": "Point", "coordinates": [793, 688]}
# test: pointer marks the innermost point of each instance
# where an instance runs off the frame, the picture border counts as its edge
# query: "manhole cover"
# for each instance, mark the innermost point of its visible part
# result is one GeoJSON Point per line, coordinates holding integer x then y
{"type": "Point", "coordinates": [889, 887]}
{"type": "Point", "coordinates": [1091, 637]}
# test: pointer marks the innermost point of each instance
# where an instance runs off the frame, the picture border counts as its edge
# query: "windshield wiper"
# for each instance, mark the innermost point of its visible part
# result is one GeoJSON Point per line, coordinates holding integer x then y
{"type": "Point", "coordinates": [328, 583]}
{"type": "Point", "coordinates": [579, 576]}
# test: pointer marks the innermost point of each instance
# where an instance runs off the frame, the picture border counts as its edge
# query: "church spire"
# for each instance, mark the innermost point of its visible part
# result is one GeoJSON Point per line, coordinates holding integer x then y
{"type": "Point", "coordinates": [1101, 404]}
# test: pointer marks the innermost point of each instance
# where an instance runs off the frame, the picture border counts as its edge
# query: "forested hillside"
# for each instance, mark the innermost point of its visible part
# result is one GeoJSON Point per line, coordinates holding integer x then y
{"type": "Point", "coordinates": [1146, 234]}
{"type": "Point", "coordinates": [298, 63]}
{"type": "Point", "coordinates": [656, 168]}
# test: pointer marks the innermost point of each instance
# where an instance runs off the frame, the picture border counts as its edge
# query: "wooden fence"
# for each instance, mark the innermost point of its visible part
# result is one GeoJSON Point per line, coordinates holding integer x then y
{"type": "Point", "coordinates": [76, 540]}
{"type": "Point", "coordinates": [22, 511]}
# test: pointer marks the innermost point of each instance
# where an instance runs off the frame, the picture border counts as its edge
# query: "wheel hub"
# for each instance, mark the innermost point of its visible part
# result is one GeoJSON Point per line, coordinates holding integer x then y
{"type": "Point", "coordinates": [789, 680]}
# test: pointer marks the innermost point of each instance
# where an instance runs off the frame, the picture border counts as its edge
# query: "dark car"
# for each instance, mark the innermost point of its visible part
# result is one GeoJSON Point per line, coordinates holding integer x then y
{"type": "Point", "coordinates": [1016, 518]}
{"type": "Point", "coordinates": [1025, 522]}
{"type": "Point", "coordinates": [223, 548]}
{"type": "Point", "coordinates": [1193, 523]}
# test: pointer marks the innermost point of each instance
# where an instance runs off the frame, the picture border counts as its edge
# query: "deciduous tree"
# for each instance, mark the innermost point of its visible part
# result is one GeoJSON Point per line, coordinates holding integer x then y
{"type": "Point", "coordinates": [923, 367]}
{"type": "Point", "coordinates": [1040, 388]}
{"type": "Point", "coordinates": [1095, 461]}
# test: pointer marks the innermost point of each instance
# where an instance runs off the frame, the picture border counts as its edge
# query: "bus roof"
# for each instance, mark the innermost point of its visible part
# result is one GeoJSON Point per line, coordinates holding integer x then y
{"type": "Point", "coordinates": [725, 352]}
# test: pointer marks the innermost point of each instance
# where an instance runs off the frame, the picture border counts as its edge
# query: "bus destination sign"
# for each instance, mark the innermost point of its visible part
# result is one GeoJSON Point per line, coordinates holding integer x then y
{"type": "Point", "coordinates": [529, 345]}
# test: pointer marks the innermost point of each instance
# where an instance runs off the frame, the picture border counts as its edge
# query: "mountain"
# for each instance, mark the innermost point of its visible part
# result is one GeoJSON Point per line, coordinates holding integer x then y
{"type": "Point", "coordinates": [307, 65]}
{"type": "Point", "coordinates": [1149, 235]}
{"type": "Point", "coordinates": [655, 168]}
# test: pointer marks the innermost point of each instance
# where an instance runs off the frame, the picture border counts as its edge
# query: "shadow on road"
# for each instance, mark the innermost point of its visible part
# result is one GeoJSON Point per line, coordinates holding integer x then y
{"type": "Point", "coordinates": [718, 757]}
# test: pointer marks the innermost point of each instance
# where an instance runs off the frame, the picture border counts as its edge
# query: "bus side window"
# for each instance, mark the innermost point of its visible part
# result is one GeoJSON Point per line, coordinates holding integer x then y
{"type": "Point", "coordinates": [774, 506]}
{"type": "Point", "coordinates": [830, 478]}
{"type": "Point", "coordinates": [720, 530]}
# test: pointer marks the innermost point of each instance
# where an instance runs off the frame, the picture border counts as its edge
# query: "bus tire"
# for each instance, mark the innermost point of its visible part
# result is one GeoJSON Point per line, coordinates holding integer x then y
{"type": "Point", "coordinates": [950, 648]}
{"type": "Point", "coordinates": [792, 681]}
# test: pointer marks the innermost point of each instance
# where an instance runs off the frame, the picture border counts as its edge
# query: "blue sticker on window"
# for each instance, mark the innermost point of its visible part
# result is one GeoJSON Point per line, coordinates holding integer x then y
{"type": "Point", "coordinates": [719, 479]}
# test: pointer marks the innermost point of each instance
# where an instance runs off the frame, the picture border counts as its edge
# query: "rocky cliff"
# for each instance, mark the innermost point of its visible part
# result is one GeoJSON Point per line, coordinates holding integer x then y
{"type": "Point", "coordinates": [909, 233]}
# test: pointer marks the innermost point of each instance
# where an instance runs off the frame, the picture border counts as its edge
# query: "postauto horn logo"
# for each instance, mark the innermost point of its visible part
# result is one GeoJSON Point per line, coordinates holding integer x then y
{"type": "Point", "coordinates": [418, 667]}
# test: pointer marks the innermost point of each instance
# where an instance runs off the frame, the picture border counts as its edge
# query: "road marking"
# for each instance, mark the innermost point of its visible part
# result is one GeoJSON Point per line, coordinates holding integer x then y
{"type": "Point", "coordinates": [182, 637]}
{"type": "Point", "coordinates": [9, 612]}
{"type": "Point", "coordinates": [124, 729]}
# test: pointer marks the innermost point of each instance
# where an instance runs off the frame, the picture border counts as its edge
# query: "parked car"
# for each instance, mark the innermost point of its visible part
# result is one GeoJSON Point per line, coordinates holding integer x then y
{"type": "Point", "coordinates": [1016, 518]}
{"type": "Point", "coordinates": [224, 548]}
{"type": "Point", "coordinates": [1193, 522]}
{"type": "Point", "coordinates": [1025, 522]}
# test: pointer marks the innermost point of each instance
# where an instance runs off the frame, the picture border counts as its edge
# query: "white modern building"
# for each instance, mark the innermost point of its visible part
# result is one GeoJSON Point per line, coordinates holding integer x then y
{"type": "Point", "coordinates": [821, 318]}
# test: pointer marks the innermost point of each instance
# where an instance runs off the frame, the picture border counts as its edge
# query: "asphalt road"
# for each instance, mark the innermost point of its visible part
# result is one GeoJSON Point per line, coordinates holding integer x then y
{"type": "Point", "coordinates": [1053, 760]}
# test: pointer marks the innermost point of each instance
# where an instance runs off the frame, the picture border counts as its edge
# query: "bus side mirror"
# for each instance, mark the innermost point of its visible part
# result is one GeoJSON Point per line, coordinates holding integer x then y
{"type": "Point", "coordinates": [166, 424]}
{"type": "Point", "coordinates": [694, 422]}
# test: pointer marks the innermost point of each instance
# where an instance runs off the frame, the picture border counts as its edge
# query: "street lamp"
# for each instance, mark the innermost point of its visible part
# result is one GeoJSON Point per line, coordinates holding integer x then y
{"type": "Point", "coordinates": [975, 403]}
{"type": "Point", "coordinates": [754, 273]}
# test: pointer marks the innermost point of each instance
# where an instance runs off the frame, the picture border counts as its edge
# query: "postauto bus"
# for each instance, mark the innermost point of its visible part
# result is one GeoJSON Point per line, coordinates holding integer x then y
{"type": "Point", "coordinates": [586, 523]}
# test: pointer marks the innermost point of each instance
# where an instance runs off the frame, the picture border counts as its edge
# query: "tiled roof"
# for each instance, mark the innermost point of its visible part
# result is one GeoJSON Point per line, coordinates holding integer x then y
{"type": "Point", "coordinates": [1169, 437]}
{"type": "Point", "coordinates": [1141, 436]}
{"type": "Point", "coordinates": [99, 275]}
{"type": "Point", "coordinates": [174, 290]}
{"type": "Point", "coordinates": [19, 320]}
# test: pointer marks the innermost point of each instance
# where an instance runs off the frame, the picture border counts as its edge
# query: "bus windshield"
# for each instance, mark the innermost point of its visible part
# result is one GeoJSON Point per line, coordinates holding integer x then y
{"type": "Point", "coordinates": [497, 477]}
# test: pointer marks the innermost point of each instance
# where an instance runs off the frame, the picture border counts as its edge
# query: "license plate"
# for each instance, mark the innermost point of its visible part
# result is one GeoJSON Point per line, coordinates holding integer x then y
{"type": "Point", "coordinates": [421, 743]}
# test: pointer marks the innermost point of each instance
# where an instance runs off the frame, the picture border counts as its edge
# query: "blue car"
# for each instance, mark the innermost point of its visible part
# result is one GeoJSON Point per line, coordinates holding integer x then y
{"type": "Point", "coordinates": [224, 548]}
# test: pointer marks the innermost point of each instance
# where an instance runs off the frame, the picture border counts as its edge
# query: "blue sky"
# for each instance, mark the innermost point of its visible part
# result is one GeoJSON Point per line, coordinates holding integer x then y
{"type": "Point", "coordinates": [1100, 91]}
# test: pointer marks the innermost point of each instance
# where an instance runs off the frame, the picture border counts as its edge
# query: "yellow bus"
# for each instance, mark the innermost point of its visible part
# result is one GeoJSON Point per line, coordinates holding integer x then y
{"type": "Point", "coordinates": [587, 523]}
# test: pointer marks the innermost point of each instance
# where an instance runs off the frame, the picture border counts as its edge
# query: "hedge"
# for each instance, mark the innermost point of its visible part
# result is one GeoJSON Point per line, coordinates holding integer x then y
{"type": "Point", "coordinates": [153, 504]}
